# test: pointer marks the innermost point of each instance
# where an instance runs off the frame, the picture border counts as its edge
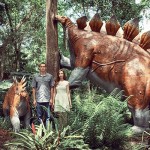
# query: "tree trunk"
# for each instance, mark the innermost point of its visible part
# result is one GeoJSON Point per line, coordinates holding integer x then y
{"type": "Point", "coordinates": [10, 40]}
{"type": "Point", "coordinates": [51, 38]}
{"type": "Point", "coordinates": [1, 66]}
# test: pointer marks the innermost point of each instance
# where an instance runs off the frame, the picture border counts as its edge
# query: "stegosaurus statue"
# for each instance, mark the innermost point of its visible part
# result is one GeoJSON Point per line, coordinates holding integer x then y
{"type": "Point", "coordinates": [110, 61]}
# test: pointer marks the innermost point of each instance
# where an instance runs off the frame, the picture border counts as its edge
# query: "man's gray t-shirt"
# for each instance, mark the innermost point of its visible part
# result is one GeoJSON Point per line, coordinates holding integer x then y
{"type": "Point", "coordinates": [42, 84]}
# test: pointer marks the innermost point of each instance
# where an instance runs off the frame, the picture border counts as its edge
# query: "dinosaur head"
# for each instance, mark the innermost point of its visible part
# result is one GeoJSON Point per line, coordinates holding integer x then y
{"type": "Point", "coordinates": [61, 19]}
{"type": "Point", "coordinates": [20, 86]}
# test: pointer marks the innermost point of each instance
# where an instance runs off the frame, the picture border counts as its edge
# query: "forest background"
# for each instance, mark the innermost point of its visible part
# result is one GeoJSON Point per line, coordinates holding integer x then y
{"type": "Point", "coordinates": [23, 27]}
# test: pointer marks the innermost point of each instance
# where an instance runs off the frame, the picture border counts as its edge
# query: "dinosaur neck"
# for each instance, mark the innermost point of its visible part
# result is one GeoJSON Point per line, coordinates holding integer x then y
{"type": "Point", "coordinates": [72, 33]}
{"type": "Point", "coordinates": [12, 89]}
{"type": "Point", "coordinates": [69, 24]}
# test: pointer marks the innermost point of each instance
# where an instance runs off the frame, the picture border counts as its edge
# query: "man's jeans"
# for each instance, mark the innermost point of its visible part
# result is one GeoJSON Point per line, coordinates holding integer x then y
{"type": "Point", "coordinates": [43, 109]}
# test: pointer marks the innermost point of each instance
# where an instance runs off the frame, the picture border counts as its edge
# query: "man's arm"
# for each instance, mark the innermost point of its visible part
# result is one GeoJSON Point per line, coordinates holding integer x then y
{"type": "Point", "coordinates": [34, 98]}
{"type": "Point", "coordinates": [52, 96]}
{"type": "Point", "coordinates": [34, 85]}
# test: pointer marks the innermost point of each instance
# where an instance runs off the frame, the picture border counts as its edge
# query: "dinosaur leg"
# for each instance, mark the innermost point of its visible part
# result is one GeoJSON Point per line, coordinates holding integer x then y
{"type": "Point", "coordinates": [140, 118]}
{"type": "Point", "coordinates": [14, 118]}
{"type": "Point", "coordinates": [6, 114]}
{"type": "Point", "coordinates": [16, 123]}
{"type": "Point", "coordinates": [77, 75]}
{"type": "Point", "coordinates": [138, 104]}
{"type": "Point", "coordinates": [6, 110]}
{"type": "Point", "coordinates": [27, 119]}
{"type": "Point", "coordinates": [65, 62]}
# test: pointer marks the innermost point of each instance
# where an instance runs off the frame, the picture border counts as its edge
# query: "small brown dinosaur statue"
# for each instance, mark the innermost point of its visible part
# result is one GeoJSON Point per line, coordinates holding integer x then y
{"type": "Point", "coordinates": [16, 104]}
{"type": "Point", "coordinates": [109, 61]}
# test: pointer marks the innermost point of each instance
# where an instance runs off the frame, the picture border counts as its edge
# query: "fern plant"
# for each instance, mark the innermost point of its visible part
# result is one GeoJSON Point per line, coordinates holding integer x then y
{"type": "Point", "coordinates": [46, 139]}
{"type": "Point", "coordinates": [95, 122]}
{"type": "Point", "coordinates": [105, 127]}
{"type": "Point", "coordinates": [100, 119]}
{"type": "Point", "coordinates": [42, 139]}
{"type": "Point", "coordinates": [83, 106]}
{"type": "Point", "coordinates": [5, 124]}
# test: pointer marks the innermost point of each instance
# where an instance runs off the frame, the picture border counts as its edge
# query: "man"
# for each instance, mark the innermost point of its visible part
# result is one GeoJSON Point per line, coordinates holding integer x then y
{"type": "Point", "coordinates": [42, 85]}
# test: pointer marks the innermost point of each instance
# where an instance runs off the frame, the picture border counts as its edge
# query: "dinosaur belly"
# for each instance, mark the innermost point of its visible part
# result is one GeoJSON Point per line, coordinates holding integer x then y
{"type": "Point", "coordinates": [77, 76]}
{"type": "Point", "coordinates": [96, 80]}
{"type": "Point", "coordinates": [22, 108]}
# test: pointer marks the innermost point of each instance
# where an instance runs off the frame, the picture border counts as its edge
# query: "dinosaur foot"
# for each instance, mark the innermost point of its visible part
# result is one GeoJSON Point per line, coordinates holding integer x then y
{"type": "Point", "coordinates": [137, 129]}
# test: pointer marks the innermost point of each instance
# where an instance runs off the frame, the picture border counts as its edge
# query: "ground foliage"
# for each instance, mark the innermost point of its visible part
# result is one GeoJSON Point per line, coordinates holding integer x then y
{"type": "Point", "coordinates": [100, 119]}
{"type": "Point", "coordinates": [97, 121]}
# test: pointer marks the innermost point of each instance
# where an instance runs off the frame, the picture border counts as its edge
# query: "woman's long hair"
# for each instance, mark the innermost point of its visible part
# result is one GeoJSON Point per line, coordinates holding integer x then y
{"type": "Point", "coordinates": [58, 79]}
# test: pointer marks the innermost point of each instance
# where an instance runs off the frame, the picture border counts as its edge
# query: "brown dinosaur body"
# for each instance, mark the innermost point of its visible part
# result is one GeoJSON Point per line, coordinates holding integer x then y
{"type": "Point", "coordinates": [110, 62]}
{"type": "Point", "coordinates": [16, 104]}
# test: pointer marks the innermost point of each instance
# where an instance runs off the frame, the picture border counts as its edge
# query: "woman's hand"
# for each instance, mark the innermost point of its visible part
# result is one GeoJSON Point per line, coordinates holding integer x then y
{"type": "Point", "coordinates": [70, 106]}
{"type": "Point", "coordinates": [34, 103]}
{"type": "Point", "coordinates": [51, 102]}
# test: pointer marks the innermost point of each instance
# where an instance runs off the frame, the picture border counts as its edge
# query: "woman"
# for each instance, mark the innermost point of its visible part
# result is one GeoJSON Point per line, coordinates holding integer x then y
{"type": "Point", "coordinates": [62, 99]}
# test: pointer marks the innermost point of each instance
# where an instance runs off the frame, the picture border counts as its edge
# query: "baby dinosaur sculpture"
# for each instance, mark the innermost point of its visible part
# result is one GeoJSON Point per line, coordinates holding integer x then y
{"type": "Point", "coordinates": [110, 61]}
{"type": "Point", "coordinates": [16, 104]}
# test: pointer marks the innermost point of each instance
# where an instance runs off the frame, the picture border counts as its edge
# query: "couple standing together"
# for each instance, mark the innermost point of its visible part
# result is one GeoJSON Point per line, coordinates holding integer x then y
{"type": "Point", "coordinates": [48, 93]}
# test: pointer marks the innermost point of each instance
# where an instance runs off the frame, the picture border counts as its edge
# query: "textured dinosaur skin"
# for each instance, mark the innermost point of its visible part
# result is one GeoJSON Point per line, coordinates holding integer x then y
{"type": "Point", "coordinates": [110, 62]}
{"type": "Point", "coordinates": [16, 105]}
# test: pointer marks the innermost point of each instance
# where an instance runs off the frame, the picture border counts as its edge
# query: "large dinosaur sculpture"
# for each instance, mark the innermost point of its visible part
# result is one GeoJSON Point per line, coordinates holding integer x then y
{"type": "Point", "coordinates": [111, 62]}
{"type": "Point", "coordinates": [16, 104]}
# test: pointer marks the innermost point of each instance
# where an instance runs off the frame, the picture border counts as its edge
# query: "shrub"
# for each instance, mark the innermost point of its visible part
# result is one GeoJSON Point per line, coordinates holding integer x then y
{"type": "Point", "coordinates": [46, 139]}
{"type": "Point", "coordinates": [100, 119]}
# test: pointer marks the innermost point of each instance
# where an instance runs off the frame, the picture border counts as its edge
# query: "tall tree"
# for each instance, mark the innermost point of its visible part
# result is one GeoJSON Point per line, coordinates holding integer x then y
{"type": "Point", "coordinates": [124, 10]}
{"type": "Point", "coordinates": [12, 39]}
{"type": "Point", "coordinates": [51, 37]}
{"type": "Point", "coordinates": [22, 35]}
